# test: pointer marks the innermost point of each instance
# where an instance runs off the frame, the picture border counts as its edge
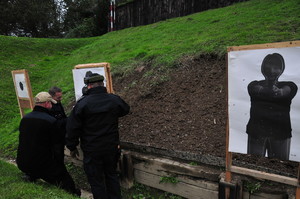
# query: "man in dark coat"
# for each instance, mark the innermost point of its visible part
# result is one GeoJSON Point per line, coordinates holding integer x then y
{"type": "Point", "coordinates": [58, 112]}
{"type": "Point", "coordinates": [94, 120]}
{"type": "Point", "coordinates": [37, 139]}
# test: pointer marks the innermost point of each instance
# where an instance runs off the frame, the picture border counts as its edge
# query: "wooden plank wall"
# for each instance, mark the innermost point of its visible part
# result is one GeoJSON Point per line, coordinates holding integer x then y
{"type": "Point", "coordinates": [194, 181]}
{"type": "Point", "coordinates": [191, 180]}
{"type": "Point", "coordinates": [143, 12]}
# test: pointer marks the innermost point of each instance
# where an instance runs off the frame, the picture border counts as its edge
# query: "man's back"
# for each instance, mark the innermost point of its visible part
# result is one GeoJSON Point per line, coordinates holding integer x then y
{"type": "Point", "coordinates": [98, 113]}
{"type": "Point", "coordinates": [36, 139]}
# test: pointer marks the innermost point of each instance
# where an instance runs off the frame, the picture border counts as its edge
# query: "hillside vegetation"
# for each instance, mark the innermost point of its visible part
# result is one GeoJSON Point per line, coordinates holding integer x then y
{"type": "Point", "coordinates": [50, 61]}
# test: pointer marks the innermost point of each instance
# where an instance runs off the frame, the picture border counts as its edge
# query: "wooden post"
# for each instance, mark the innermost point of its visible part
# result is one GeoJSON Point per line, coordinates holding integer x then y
{"type": "Point", "coordinates": [298, 188]}
{"type": "Point", "coordinates": [228, 154]}
{"type": "Point", "coordinates": [126, 166]}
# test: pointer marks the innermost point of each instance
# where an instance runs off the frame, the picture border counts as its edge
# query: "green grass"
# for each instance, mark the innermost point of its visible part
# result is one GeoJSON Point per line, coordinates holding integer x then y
{"type": "Point", "coordinates": [11, 180]}
{"type": "Point", "coordinates": [12, 186]}
{"type": "Point", "coordinates": [49, 61]}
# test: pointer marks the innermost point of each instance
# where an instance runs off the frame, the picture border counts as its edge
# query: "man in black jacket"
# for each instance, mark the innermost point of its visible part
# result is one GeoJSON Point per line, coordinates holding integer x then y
{"type": "Point", "coordinates": [58, 112]}
{"type": "Point", "coordinates": [36, 156]}
{"type": "Point", "coordinates": [94, 120]}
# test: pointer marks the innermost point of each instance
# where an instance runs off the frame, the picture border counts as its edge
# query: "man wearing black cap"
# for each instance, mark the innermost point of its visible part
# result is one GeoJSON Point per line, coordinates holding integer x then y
{"type": "Point", "coordinates": [36, 156]}
{"type": "Point", "coordinates": [94, 120]}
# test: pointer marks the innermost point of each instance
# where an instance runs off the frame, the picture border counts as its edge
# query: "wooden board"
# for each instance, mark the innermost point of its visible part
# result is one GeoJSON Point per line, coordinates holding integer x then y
{"type": "Point", "coordinates": [92, 65]}
{"type": "Point", "coordinates": [181, 188]}
{"type": "Point", "coordinates": [155, 169]}
{"type": "Point", "coordinates": [265, 46]}
{"type": "Point", "coordinates": [175, 167]}
{"type": "Point", "coordinates": [264, 175]}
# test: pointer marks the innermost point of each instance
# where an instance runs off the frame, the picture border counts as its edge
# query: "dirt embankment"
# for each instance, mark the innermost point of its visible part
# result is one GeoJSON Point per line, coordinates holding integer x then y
{"type": "Point", "coordinates": [183, 110]}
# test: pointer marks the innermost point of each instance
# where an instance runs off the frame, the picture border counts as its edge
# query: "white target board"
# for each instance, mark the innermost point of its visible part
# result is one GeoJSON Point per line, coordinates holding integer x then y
{"type": "Point", "coordinates": [261, 113]}
{"type": "Point", "coordinates": [21, 85]}
{"type": "Point", "coordinates": [23, 90]}
{"type": "Point", "coordinates": [79, 72]}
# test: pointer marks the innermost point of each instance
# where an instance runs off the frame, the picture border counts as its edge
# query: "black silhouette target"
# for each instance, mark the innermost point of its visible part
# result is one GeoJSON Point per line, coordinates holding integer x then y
{"type": "Point", "coordinates": [21, 86]}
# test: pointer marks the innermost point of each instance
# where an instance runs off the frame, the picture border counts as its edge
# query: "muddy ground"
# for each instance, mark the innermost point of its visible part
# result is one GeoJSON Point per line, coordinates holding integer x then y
{"type": "Point", "coordinates": [183, 109]}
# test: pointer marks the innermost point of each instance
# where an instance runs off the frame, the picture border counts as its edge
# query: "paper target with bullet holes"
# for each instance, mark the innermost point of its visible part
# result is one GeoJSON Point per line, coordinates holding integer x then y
{"type": "Point", "coordinates": [23, 90]}
{"type": "Point", "coordinates": [21, 86]}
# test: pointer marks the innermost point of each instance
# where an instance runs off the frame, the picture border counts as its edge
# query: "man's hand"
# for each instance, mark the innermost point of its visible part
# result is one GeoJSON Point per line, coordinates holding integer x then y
{"type": "Point", "coordinates": [74, 154]}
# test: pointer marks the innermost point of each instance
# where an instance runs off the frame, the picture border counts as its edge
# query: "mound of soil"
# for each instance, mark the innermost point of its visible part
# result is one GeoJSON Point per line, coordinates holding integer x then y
{"type": "Point", "coordinates": [183, 109]}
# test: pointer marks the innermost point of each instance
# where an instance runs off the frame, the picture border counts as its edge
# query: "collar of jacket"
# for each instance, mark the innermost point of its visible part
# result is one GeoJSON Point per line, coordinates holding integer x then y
{"type": "Point", "coordinates": [41, 109]}
{"type": "Point", "coordinates": [96, 90]}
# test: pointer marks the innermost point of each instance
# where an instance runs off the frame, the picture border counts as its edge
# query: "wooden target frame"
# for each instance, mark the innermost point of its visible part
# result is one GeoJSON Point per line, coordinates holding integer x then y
{"type": "Point", "coordinates": [92, 66]}
{"type": "Point", "coordinates": [23, 90]}
{"type": "Point", "coordinates": [250, 172]}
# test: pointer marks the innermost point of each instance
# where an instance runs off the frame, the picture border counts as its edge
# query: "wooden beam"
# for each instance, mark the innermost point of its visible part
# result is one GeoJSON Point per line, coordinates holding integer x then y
{"type": "Point", "coordinates": [265, 46]}
{"type": "Point", "coordinates": [177, 167]}
{"type": "Point", "coordinates": [264, 175]}
{"type": "Point", "coordinates": [92, 65]}
{"type": "Point", "coordinates": [156, 169]}
{"type": "Point", "coordinates": [181, 188]}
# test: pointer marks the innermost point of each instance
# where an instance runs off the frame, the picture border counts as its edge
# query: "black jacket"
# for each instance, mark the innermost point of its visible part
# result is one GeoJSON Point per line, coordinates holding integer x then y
{"type": "Point", "coordinates": [58, 112]}
{"type": "Point", "coordinates": [37, 138]}
{"type": "Point", "coordinates": [94, 120]}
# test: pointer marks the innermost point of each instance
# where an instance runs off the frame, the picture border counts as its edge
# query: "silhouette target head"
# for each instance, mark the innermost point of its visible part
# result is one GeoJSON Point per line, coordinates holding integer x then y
{"type": "Point", "coordinates": [272, 66]}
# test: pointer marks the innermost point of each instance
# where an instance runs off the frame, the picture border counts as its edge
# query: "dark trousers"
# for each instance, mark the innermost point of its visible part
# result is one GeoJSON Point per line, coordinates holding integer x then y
{"type": "Point", "coordinates": [275, 148]}
{"type": "Point", "coordinates": [101, 171]}
{"type": "Point", "coordinates": [57, 175]}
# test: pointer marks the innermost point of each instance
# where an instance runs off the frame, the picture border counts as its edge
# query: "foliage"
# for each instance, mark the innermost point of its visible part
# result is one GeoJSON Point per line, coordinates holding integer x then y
{"type": "Point", "coordinates": [169, 179]}
{"type": "Point", "coordinates": [30, 18]}
{"type": "Point", "coordinates": [252, 187]}
{"type": "Point", "coordinates": [86, 18]}
{"type": "Point", "coordinates": [193, 163]}
{"type": "Point", "coordinates": [82, 30]}
{"type": "Point", "coordinates": [11, 180]}
{"type": "Point", "coordinates": [53, 18]}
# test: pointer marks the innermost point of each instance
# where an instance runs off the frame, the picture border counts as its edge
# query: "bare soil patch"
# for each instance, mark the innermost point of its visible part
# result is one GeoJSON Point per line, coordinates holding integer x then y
{"type": "Point", "coordinates": [183, 109]}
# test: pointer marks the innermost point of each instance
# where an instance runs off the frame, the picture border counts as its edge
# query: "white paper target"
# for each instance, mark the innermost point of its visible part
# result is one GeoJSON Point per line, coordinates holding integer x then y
{"type": "Point", "coordinates": [245, 66]}
{"type": "Point", "coordinates": [21, 86]}
{"type": "Point", "coordinates": [78, 76]}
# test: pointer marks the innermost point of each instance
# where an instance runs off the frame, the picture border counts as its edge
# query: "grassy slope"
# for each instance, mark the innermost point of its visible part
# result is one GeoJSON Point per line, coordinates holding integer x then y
{"type": "Point", "coordinates": [40, 57]}
{"type": "Point", "coordinates": [12, 186]}
{"type": "Point", "coordinates": [49, 61]}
